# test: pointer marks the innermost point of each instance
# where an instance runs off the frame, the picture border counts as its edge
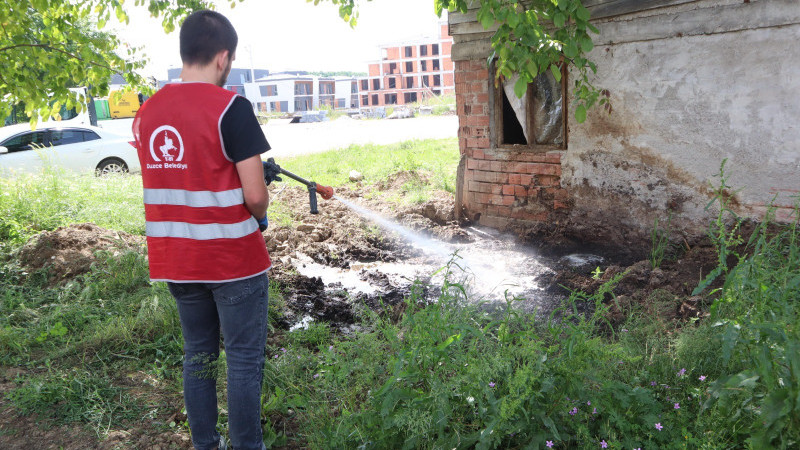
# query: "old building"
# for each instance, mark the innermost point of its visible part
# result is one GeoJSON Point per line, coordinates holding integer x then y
{"type": "Point", "coordinates": [692, 83]}
{"type": "Point", "coordinates": [409, 72]}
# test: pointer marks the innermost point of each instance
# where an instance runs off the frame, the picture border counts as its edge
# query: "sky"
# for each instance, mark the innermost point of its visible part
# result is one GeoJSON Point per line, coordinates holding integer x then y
{"type": "Point", "coordinates": [293, 34]}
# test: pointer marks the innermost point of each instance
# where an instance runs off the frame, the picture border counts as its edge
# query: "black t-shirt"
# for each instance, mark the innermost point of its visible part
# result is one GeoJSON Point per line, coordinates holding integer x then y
{"type": "Point", "coordinates": [241, 134]}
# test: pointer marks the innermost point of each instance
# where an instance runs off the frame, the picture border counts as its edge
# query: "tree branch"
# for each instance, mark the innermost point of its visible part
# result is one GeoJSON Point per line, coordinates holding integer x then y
{"type": "Point", "coordinates": [49, 47]}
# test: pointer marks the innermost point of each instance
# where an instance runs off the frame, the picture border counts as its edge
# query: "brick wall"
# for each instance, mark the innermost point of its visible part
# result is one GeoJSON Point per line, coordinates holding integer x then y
{"type": "Point", "coordinates": [500, 186]}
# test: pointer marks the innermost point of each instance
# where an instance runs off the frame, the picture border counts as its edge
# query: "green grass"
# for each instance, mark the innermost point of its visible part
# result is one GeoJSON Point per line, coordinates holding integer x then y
{"type": "Point", "coordinates": [437, 159]}
{"type": "Point", "coordinates": [445, 375]}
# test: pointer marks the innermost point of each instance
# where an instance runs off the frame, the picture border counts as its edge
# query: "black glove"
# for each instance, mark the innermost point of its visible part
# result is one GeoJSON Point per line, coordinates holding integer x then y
{"type": "Point", "coordinates": [271, 171]}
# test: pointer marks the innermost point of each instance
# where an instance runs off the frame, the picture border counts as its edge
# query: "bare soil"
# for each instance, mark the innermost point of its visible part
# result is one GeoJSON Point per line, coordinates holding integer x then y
{"type": "Point", "coordinates": [341, 242]}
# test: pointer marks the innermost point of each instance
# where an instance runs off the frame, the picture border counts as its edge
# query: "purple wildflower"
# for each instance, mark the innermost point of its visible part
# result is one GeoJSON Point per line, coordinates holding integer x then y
{"type": "Point", "coordinates": [589, 403]}
{"type": "Point", "coordinates": [677, 406]}
{"type": "Point", "coordinates": [624, 330]}
{"type": "Point", "coordinates": [594, 411]}
{"type": "Point", "coordinates": [659, 427]}
{"type": "Point", "coordinates": [316, 375]}
{"type": "Point", "coordinates": [682, 372]}
{"type": "Point", "coordinates": [702, 378]}
{"type": "Point", "coordinates": [653, 383]}
{"type": "Point", "coordinates": [283, 350]}
{"type": "Point", "coordinates": [491, 384]}
{"type": "Point", "coordinates": [666, 386]}
{"type": "Point", "coordinates": [330, 348]}
{"type": "Point", "coordinates": [549, 444]}
{"type": "Point", "coordinates": [603, 444]}
{"type": "Point", "coordinates": [573, 412]}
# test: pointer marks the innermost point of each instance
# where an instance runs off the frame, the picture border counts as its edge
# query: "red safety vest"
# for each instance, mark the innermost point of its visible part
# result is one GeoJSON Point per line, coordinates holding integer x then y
{"type": "Point", "coordinates": [198, 228]}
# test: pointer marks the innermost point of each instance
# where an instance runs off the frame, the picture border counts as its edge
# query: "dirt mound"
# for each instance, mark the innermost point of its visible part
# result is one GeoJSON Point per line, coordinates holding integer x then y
{"type": "Point", "coordinates": [70, 251]}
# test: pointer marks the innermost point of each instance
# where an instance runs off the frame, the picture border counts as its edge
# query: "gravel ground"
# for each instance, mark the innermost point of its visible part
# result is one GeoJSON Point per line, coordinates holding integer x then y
{"type": "Point", "coordinates": [303, 138]}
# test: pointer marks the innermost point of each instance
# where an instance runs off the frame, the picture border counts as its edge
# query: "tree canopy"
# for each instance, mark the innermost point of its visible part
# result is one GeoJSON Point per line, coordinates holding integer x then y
{"type": "Point", "coordinates": [47, 46]}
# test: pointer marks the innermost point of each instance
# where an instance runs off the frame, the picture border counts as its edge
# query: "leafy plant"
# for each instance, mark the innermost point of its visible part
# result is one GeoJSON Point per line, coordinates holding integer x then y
{"type": "Point", "coordinates": [660, 242]}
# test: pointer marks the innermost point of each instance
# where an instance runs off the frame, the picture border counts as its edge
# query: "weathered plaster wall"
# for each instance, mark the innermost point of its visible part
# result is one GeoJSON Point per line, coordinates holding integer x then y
{"type": "Point", "coordinates": [692, 83]}
{"type": "Point", "coordinates": [690, 86]}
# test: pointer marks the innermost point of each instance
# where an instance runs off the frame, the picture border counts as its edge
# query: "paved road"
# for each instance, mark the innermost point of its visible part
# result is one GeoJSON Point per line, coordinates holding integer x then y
{"type": "Point", "coordinates": [303, 138]}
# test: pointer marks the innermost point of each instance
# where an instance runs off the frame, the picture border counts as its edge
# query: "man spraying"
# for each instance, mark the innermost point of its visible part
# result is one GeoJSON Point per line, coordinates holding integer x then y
{"type": "Point", "coordinates": [205, 198]}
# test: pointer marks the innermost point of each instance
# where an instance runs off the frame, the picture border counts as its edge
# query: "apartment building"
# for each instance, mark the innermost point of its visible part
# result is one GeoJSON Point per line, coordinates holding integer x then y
{"type": "Point", "coordinates": [237, 78]}
{"type": "Point", "coordinates": [297, 92]}
{"type": "Point", "coordinates": [410, 72]}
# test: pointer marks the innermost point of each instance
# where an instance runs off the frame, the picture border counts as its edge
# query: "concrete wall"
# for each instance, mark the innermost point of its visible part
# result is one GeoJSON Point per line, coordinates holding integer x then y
{"type": "Point", "coordinates": [690, 86]}
{"type": "Point", "coordinates": [691, 83]}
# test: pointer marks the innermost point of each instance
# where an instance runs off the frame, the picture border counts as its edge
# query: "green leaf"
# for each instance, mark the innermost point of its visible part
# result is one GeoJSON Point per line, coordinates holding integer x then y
{"type": "Point", "coordinates": [556, 71]}
{"type": "Point", "coordinates": [587, 45]}
{"type": "Point", "coordinates": [582, 13]}
{"type": "Point", "coordinates": [520, 87]}
{"type": "Point", "coordinates": [559, 20]}
{"type": "Point", "coordinates": [580, 113]}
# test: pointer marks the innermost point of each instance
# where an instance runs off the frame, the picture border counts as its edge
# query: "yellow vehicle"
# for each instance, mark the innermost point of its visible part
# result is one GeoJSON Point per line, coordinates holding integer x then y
{"type": "Point", "coordinates": [124, 104]}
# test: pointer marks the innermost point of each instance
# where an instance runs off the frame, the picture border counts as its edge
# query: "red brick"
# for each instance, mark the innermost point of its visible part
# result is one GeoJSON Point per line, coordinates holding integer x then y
{"type": "Point", "coordinates": [472, 164]}
{"type": "Point", "coordinates": [462, 143]}
{"type": "Point", "coordinates": [520, 191]}
{"type": "Point", "coordinates": [547, 180]}
{"type": "Point", "coordinates": [525, 180]}
{"type": "Point", "coordinates": [543, 169]}
{"type": "Point", "coordinates": [499, 210]}
{"type": "Point", "coordinates": [482, 98]}
{"type": "Point", "coordinates": [508, 189]}
{"type": "Point", "coordinates": [514, 178]}
{"type": "Point", "coordinates": [478, 154]}
{"type": "Point", "coordinates": [481, 121]}
{"type": "Point", "coordinates": [486, 177]}
{"type": "Point", "coordinates": [508, 200]}
{"type": "Point", "coordinates": [478, 142]}
{"type": "Point", "coordinates": [559, 205]}
{"type": "Point", "coordinates": [460, 77]}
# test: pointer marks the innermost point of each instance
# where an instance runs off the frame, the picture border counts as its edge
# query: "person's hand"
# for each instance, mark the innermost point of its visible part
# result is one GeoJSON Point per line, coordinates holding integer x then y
{"type": "Point", "coordinates": [271, 171]}
{"type": "Point", "coordinates": [263, 224]}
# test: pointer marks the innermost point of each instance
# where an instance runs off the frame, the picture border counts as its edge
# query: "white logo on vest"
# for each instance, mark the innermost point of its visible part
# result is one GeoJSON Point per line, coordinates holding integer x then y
{"type": "Point", "coordinates": [165, 139]}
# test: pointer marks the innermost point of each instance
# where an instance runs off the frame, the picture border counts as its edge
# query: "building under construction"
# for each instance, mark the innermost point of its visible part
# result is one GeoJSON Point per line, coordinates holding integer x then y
{"type": "Point", "coordinates": [410, 72]}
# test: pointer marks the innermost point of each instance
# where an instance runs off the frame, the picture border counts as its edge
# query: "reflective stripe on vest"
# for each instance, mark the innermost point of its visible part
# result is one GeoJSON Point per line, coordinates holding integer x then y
{"type": "Point", "coordinates": [196, 199]}
{"type": "Point", "coordinates": [201, 232]}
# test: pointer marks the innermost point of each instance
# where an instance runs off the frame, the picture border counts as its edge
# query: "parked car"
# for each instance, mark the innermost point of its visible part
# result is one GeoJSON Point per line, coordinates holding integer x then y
{"type": "Point", "coordinates": [77, 148]}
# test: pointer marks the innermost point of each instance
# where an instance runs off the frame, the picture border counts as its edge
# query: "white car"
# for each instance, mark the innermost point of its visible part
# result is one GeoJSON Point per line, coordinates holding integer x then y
{"type": "Point", "coordinates": [75, 147]}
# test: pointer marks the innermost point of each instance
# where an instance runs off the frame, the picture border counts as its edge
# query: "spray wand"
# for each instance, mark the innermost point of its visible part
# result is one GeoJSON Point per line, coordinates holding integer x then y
{"type": "Point", "coordinates": [272, 170]}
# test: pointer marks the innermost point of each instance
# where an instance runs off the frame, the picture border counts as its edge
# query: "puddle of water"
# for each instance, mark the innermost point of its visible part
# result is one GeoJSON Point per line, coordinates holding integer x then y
{"type": "Point", "coordinates": [490, 266]}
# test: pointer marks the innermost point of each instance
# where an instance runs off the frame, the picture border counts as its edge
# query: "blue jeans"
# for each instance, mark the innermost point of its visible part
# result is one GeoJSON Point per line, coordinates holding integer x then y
{"type": "Point", "coordinates": [240, 309]}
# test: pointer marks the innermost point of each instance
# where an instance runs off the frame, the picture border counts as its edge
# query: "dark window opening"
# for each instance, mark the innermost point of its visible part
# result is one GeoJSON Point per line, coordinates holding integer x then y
{"type": "Point", "coordinates": [364, 85]}
{"type": "Point", "coordinates": [390, 99]}
{"type": "Point", "coordinates": [437, 92]}
{"type": "Point", "coordinates": [512, 128]}
{"type": "Point", "coordinates": [435, 49]}
{"type": "Point", "coordinates": [424, 66]}
{"type": "Point", "coordinates": [376, 85]}
{"type": "Point", "coordinates": [392, 83]}
{"type": "Point", "coordinates": [364, 100]}
{"type": "Point", "coordinates": [538, 118]}
{"type": "Point", "coordinates": [409, 82]}
{"type": "Point", "coordinates": [437, 80]}
{"type": "Point", "coordinates": [302, 104]}
{"type": "Point", "coordinates": [410, 97]}
{"type": "Point", "coordinates": [408, 52]}
{"type": "Point", "coordinates": [425, 81]}
{"type": "Point", "coordinates": [423, 50]}
{"type": "Point", "coordinates": [374, 99]}
{"type": "Point", "coordinates": [392, 67]}
{"type": "Point", "coordinates": [409, 66]}
{"type": "Point", "coordinates": [435, 64]}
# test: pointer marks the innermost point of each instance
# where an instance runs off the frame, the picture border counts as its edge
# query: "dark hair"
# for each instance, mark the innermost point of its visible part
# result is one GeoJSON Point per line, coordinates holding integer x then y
{"type": "Point", "coordinates": [204, 34]}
